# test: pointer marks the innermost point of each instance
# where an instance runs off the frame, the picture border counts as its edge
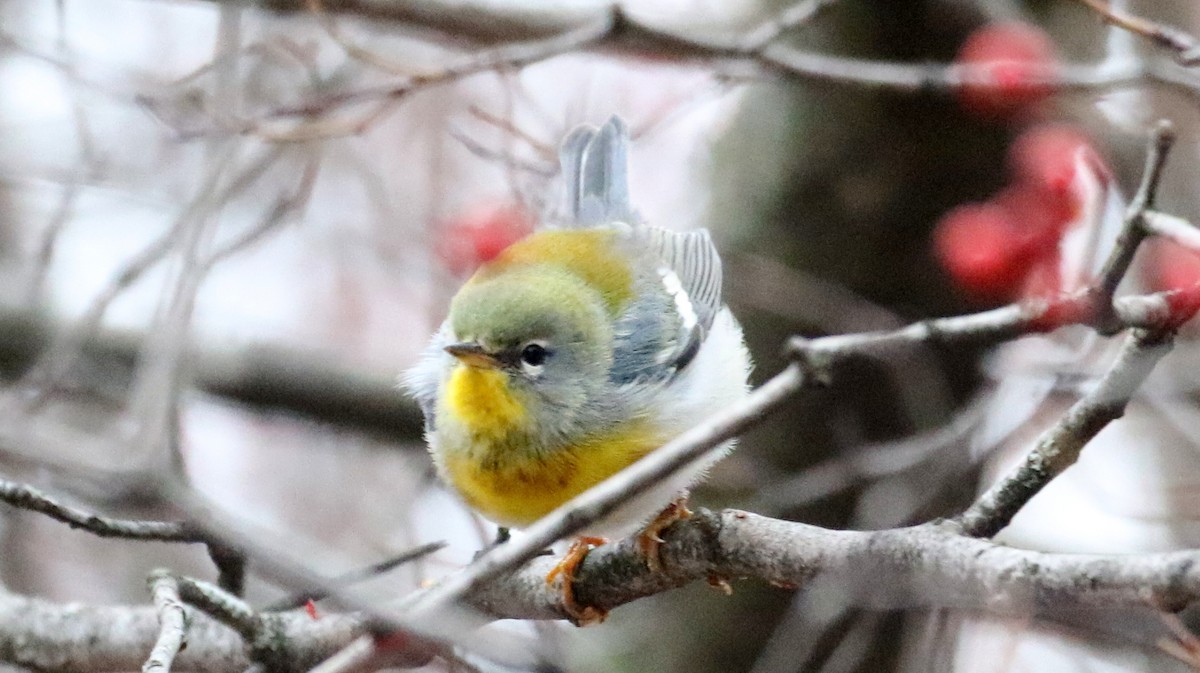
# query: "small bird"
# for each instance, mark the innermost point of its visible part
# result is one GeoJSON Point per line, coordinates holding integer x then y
{"type": "Point", "coordinates": [577, 351]}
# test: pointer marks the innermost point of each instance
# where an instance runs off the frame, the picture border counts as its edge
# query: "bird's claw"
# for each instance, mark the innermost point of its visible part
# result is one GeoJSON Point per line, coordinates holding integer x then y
{"type": "Point", "coordinates": [580, 615]}
{"type": "Point", "coordinates": [649, 540]}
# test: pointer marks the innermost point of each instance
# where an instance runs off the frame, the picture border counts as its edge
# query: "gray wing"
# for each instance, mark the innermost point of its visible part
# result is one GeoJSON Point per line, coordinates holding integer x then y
{"type": "Point", "coordinates": [693, 258]}
{"type": "Point", "coordinates": [596, 175]}
{"type": "Point", "coordinates": [664, 329]}
{"type": "Point", "coordinates": [424, 378]}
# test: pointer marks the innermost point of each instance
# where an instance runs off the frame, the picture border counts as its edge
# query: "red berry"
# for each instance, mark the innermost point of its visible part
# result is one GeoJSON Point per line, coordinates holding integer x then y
{"type": "Point", "coordinates": [1048, 156]}
{"type": "Point", "coordinates": [982, 249]}
{"type": "Point", "coordinates": [1172, 267]}
{"type": "Point", "coordinates": [481, 233]}
{"type": "Point", "coordinates": [1036, 216]}
{"type": "Point", "coordinates": [1007, 68]}
{"type": "Point", "coordinates": [1175, 268]}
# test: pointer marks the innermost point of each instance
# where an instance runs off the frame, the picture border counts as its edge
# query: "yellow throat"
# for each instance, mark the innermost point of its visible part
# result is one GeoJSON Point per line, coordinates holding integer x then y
{"type": "Point", "coordinates": [497, 470]}
{"type": "Point", "coordinates": [481, 399]}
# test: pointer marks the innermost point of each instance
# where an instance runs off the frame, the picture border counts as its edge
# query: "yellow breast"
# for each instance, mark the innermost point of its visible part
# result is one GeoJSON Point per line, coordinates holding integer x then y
{"type": "Point", "coordinates": [515, 487]}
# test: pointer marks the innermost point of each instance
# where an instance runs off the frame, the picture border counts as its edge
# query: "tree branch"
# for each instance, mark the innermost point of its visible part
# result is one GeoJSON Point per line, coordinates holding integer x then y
{"type": "Point", "coordinates": [1134, 230]}
{"type": "Point", "coordinates": [74, 638]}
{"type": "Point", "coordinates": [523, 36]}
{"type": "Point", "coordinates": [27, 497]}
{"type": "Point", "coordinates": [1059, 447]}
{"type": "Point", "coordinates": [172, 620]}
{"type": "Point", "coordinates": [925, 566]}
{"type": "Point", "coordinates": [1184, 44]}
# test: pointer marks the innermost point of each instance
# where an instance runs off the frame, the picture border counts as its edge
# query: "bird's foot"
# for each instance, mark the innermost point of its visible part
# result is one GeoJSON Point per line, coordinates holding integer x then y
{"type": "Point", "coordinates": [649, 541]}
{"type": "Point", "coordinates": [581, 615]}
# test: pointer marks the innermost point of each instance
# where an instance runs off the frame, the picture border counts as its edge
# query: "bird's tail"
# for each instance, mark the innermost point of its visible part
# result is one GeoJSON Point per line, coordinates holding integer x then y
{"type": "Point", "coordinates": [596, 176]}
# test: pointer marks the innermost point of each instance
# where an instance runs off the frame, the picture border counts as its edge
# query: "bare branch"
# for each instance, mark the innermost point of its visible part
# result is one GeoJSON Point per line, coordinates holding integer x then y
{"type": "Point", "coordinates": [1184, 44]}
{"type": "Point", "coordinates": [373, 570]}
{"type": "Point", "coordinates": [1059, 447]}
{"type": "Point", "coordinates": [610, 29]}
{"type": "Point", "coordinates": [1134, 230]}
{"type": "Point", "coordinates": [284, 207]}
{"type": "Point", "coordinates": [220, 605]}
{"type": "Point", "coordinates": [925, 566]}
{"type": "Point", "coordinates": [788, 19]}
{"type": "Point", "coordinates": [27, 497]}
{"type": "Point", "coordinates": [56, 361]}
{"type": "Point", "coordinates": [172, 623]}
{"type": "Point", "coordinates": [75, 638]}
{"type": "Point", "coordinates": [1176, 229]}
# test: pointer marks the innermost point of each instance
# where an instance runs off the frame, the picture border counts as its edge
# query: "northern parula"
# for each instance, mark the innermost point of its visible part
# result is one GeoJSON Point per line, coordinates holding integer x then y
{"type": "Point", "coordinates": [578, 350]}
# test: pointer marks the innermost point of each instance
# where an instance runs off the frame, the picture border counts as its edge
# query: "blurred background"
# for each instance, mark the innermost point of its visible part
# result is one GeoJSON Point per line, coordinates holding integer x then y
{"type": "Point", "coordinates": [206, 245]}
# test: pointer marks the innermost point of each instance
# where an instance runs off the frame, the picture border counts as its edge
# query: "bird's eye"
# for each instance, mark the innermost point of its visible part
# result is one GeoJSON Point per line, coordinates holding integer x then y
{"type": "Point", "coordinates": [534, 355]}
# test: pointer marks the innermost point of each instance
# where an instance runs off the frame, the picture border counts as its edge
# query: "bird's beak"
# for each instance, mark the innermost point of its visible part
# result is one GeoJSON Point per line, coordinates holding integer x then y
{"type": "Point", "coordinates": [472, 354]}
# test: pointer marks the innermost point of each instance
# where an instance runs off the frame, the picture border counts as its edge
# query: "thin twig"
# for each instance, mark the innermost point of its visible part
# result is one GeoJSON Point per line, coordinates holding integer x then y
{"type": "Point", "coordinates": [1176, 229]}
{"type": "Point", "coordinates": [284, 207]}
{"type": "Point", "coordinates": [1133, 232]}
{"type": "Point", "coordinates": [221, 606]}
{"type": "Point", "coordinates": [172, 618]}
{"type": "Point", "coordinates": [473, 146]}
{"type": "Point", "coordinates": [614, 31]}
{"type": "Point", "coordinates": [359, 575]}
{"type": "Point", "coordinates": [544, 150]}
{"type": "Point", "coordinates": [513, 56]}
{"type": "Point", "coordinates": [788, 19]}
{"type": "Point", "coordinates": [53, 365]}
{"type": "Point", "coordinates": [27, 497]}
{"type": "Point", "coordinates": [1059, 447]}
{"type": "Point", "coordinates": [1184, 44]}
{"type": "Point", "coordinates": [317, 8]}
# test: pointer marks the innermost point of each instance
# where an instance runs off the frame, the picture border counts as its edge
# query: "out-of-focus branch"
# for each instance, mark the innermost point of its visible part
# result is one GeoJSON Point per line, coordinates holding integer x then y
{"type": "Point", "coordinates": [479, 22]}
{"type": "Point", "coordinates": [307, 384]}
{"type": "Point", "coordinates": [1184, 44]}
{"type": "Point", "coordinates": [373, 570]}
{"type": "Point", "coordinates": [529, 37]}
{"type": "Point", "coordinates": [1059, 447]}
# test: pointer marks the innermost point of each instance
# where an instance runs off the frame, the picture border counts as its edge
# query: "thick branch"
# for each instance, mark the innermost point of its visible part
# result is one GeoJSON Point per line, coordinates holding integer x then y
{"type": "Point", "coordinates": [925, 566]}
{"type": "Point", "coordinates": [75, 638]}
{"type": "Point", "coordinates": [261, 376]}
